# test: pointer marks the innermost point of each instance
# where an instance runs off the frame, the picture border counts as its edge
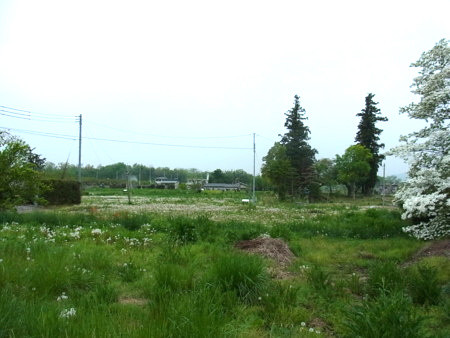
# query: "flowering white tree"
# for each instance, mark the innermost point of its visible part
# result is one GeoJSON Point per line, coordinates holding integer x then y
{"type": "Point", "coordinates": [425, 196]}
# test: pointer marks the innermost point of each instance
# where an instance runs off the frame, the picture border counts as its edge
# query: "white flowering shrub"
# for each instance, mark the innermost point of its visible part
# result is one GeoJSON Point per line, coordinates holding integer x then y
{"type": "Point", "coordinates": [425, 197]}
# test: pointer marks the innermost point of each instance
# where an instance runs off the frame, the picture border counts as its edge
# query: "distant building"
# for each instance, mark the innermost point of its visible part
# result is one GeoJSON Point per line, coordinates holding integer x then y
{"type": "Point", "coordinates": [225, 186]}
{"type": "Point", "coordinates": [165, 183]}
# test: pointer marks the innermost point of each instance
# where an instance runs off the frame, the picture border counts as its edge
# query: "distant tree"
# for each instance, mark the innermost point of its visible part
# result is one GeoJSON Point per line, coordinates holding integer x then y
{"type": "Point", "coordinates": [298, 151]}
{"type": "Point", "coordinates": [368, 135]}
{"type": "Point", "coordinates": [217, 176]}
{"type": "Point", "coordinates": [19, 178]}
{"type": "Point", "coordinates": [353, 167]}
{"type": "Point", "coordinates": [327, 173]}
{"type": "Point", "coordinates": [278, 170]}
{"type": "Point", "coordinates": [425, 195]}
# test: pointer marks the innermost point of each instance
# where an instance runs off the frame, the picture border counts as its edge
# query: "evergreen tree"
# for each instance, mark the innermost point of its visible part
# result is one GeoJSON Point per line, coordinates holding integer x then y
{"type": "Point", "coordinates": [368, 136]}
{"type": "Point", "coordinates": [298, 151]}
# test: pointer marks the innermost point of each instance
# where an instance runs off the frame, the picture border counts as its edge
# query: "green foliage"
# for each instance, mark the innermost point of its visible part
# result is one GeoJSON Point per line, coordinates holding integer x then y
{"type": "Point", "coordinates": [318, 278]}
{"type": "Point", "coordinates": [242, 274]}
{"type": "Point", "coordinates": [354, 166]}
{"type": "Point", "coordinates": [289, 164]}
{"type": "Point", "coordinates": [299, 152]}
{"type": "Point", "coordinates": [372, 223]}
{"type": "Point", "coordinates": [19, 179]}
{"type": "Point", "coordinates": [423, 285]}
{"type": "Point", "coordinates": [385, 276]}
{"type": "Point", "coordinates": [368, 136]}
{"type": "Point", "coordinates": [62, 192]}
{"type": "Point", "coordinates": [389, 315]}
{"type": "Point", "coordinates": [327, 173]}
{"type": "Point", "coordinates": [278, 169]}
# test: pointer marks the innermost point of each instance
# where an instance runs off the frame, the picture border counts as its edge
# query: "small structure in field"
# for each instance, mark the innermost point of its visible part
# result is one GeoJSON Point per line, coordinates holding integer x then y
{"type": "Point", "coordinates": [165, 183]}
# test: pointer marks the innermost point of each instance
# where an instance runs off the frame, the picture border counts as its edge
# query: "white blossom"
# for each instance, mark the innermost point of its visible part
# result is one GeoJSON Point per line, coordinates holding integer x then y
{"type": "Point", "coordinates": [67, 313]}
{"type": "Point", "coordinates": [426, 194]}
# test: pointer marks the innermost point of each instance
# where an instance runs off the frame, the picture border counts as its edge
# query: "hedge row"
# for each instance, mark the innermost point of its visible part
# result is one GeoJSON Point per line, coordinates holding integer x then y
{"type": "Point", "coordinates": [62, 192]}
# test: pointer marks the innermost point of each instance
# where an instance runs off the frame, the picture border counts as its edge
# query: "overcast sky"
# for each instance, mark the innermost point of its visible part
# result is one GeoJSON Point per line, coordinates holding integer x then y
{"type": "Point", "coordinates": [207, 74]}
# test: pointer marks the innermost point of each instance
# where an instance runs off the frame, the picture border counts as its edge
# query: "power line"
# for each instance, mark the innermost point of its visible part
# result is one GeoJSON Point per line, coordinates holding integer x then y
{"type": "Point", "coordinates": [40, 133]}
{"type": "Point", "coordinates": [30, 118]}
{"type": "Point", "coordinates": [44, 115]}
{"type": "Point", "coordinates": [69, 137]}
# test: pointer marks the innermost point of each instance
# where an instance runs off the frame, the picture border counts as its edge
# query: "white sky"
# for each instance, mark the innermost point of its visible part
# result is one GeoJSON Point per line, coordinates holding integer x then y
{"type": "Point", "coordinates": [191, 70]}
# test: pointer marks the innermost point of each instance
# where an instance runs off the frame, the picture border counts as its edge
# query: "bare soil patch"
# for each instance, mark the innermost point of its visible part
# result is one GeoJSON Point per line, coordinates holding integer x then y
{"type": "Point", "coordinates": [273, 248]}
{"type": "Point", "coordinates": [436, 248]}
{"type": "Point", "coordinates": [133, 301]}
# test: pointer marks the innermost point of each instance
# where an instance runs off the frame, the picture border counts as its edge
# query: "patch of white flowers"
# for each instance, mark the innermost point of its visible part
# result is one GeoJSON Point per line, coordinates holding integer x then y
{"type": "Point", "coordinates": [425, 197]}
{"type": "Point", "coordinates": [62, 297]}
{"type": "Point", "coordinates": [67, 313]}
{"type": "Point", "coordinates": [96, 232]}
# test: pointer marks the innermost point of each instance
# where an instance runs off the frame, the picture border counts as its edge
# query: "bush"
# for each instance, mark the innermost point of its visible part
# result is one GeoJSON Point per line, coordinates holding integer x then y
{"type": "Point", "coordinates": [62, 192]}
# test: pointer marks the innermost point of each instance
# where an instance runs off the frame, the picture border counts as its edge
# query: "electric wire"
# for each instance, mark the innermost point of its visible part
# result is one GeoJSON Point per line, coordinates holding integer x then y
{"type": "Point", "coordinates": [30, 118]}
{"type": "Point", "coordinates": [69, 137]}
{"type": "Point", "coordinates": [45, 115]}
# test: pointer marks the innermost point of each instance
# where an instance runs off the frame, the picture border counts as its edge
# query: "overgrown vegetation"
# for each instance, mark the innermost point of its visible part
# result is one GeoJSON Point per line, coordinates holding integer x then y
{"type": "Point", "coordinates": [118, 270]}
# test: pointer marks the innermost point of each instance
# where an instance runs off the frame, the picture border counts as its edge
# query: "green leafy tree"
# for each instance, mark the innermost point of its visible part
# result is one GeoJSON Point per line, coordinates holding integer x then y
{"type": "Point", "coordinates": [19, 179]}
{"type": "Point", "coordinates": [353, 167]}
{"type": "Point", "coordinates": [368, 135]}
{"type": "Point", "coordinates": [277, 168]}
{"type": "Point", "coordinates": [298, 151]}
{"type": "Point", "coordinates": [327, 173]}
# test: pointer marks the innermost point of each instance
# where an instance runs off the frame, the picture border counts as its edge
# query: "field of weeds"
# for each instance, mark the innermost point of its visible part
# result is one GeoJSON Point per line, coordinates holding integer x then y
{"type": "Point", "coordinates": [186, 264]}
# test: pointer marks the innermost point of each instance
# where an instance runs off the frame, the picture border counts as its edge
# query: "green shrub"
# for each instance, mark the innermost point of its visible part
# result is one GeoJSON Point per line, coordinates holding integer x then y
{"type": "Point", "coordinates": [388, 315]}
{"type": "Point", "coordinates": [243, 274]}
{"type": "Point", "coordinates": [62, 192]}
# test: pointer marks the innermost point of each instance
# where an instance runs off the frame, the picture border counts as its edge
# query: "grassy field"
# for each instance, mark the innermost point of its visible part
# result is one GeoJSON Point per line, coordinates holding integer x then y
{"type": "Point", "coordinates": [167, 266]}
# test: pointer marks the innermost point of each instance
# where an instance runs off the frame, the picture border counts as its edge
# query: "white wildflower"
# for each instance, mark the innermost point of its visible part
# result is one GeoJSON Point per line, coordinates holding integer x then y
{"type": "Point", "coordinates": [67, 313]}
{"type": "Point", "coordinates": [96, 232]}
{"type": "Point", "coordinates": [62, 297]}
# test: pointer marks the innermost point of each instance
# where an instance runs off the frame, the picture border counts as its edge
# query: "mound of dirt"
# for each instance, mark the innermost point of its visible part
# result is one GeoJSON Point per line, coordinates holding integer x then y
{"type": "Point", "coordinates": [273, 248]}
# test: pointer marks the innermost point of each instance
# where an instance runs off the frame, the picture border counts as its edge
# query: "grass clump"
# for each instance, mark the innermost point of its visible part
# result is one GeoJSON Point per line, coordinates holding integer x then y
{"type": "Point", "coordinates": [424, 286]}
{"type": "Point", "coordinates": [385, 276]}
{"type": "Point", "coordinates": [243, 274]}
{"type": "Point", "coordinates": [391, 314]}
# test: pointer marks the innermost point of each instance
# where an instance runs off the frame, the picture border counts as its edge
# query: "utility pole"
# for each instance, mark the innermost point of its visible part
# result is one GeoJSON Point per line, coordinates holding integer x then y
{"type": "Point", "coordinates": [79, 151]}
{"type": "Point", "coordinates": [384, 182]}
{"type": "Point", "coordinates": [140, 176]}
{"type": "Point", "coordinates": [254, 161]}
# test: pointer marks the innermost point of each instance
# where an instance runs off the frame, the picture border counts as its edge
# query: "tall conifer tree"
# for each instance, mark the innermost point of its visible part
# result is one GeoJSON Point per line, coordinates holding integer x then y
{"type": "Point", "coordinates": [368, 136]}
{"type": "Point", "coordinates": [299, 152]}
